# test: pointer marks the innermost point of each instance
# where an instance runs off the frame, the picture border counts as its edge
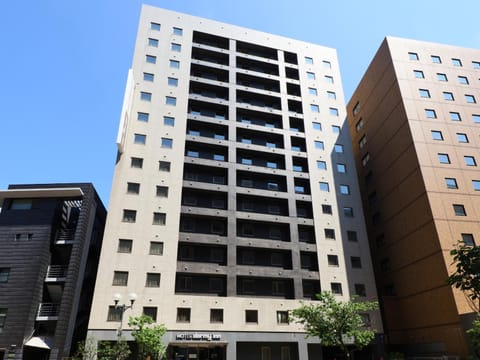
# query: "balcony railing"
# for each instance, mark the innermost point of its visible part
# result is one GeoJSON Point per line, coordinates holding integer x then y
{"type": "Point", "coordinates": [57, 271]}
{"type": "Point", "coordinates": [48, 311]}
{"type": "Point", "coordinates": [65, 236]}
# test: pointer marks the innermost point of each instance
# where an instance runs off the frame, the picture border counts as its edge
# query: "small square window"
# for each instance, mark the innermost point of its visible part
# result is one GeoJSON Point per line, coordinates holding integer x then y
{"type": "Point", "coordinates": [329, 79]}
{"type": "Point", "coordinates": [456, 62]}
{"type": "Point", "coordinates": [359, 125]}
{"type": "Point", "coordinates": [332, 260]}
{"type": "Point", "coordinates": [418, 74]}
{"type": "Point", "coordinates": [282, 317]}
{"type": "Point", "coordinates": [326, 64]}
{"type": "Point", "coordinates": [308, 60]}
{"type": "Point", "coordinates": [172, 81]}
{"type": "Point", "coordinates": [424, 93]}
{"type": "Point", "coordinates": [462, 138]}
{"type": "Point", "coordinates": [140, 139]}
{"type": "Point", "coordinates": [412, 56]}
{"type": "Point", "coordinates": [155, 26]}
{"type": "Point", "coordinates": [156, 248]}
{"type": "Point", "coordinates": [174, 64]}
{"type": "Point", "coordinates": [183, 315]}
{"type": "Point", "coordinates": [476, 118]}
{"type": "Point", "coordinates": [360, 290]}
{"type": "Point", "coordinates": [356, 262]}
{"type": "Point", "coordinates": [331, 95]}
{"type": "Point", "coordinates": [168, 121]}
{"type": "Point", "coordinates": [470, 160]}
{"type": "Point", "coordinates": [341, 168]}
{"type": "Point", "coordinates": [344, 189]}
{"type": "Point", "coordinates": [312, 91]}
{"type": "Point", "coordinates": [468, 239]}
{"type": "Point", "coordinates": [141, 116]}
{"type": "Point", "coordinates": [476, 64]}
{"type": "Point", "coordinates": [437, 135]}
{"type": "Point", "coordinates": [151, 59]}
{"type": "Point", "coordinates": [443, 159]}
{"type": "Point", "coordinates": [442, 77]}
{"type": "Point", "coordinates": [150, 311]}
{"type": "Point", "coordinates": [451, 183]}
{"type": "Point", "coordinates": [338, 148]}
{"type": "Point", "coordinates": [322, 165]}
{"type": "Point", "coordinates": [336, 288]}
{"type": "Point", "coordinates": [448, 96]}
{"type": "Point", "coordinates": [436, 59]}
{"type": "Point", "coordinates": [470, 99]}
{"type": "Point", "coordinates": [145, 96]}
{"type": "Point", "coordinates": [324, 186]}
{"type": "Point", "coordinates": [348, 212]}
{"type": "Point", "coordinates": [463, 80]}
{"type": "Point", "coordinates": [335, 129]}
{"type": "Point", "coordinates": [167, 143]}
{"type": "Point", "coordinates": [164, 166]}
{"type": "Point", "coordinates": [162, 191]}
{"type": "Point", "coordinates": [363, 141]}
{"type": "Point", "coordinates": [153, 280]}
{"type": "Point", "coordinates": [319, 145]}
{"type": "Point", "coordinates": [159, 218]}
{"type": "Point", "coordinates": [310, 75]}
{"type": "Point", "coordinates": [133, 188]}
{"type": "Point", "coordinates": [318, 126]}
{"type": "Point", "coordinates": [129, 216]}
{"type": "Point", "coordinates": [136, 162]}
{"type": "Point", "coordinates": [170, 100]}
{"type": "Point", "coordinates": [455, 116]}
{"type": "Point", "coordinates": [459, 210]}
{"type": "Point", "coordinates": [148, 77]}
{"type": "Point", "coordinates": [152, 42]}
{"type": "Point", "coordinates": [120, 278]}
{"type": "Point", "coordinates": [4, 275]}
{"type": "Point", "coordinates": [114, 313]}
{"type": "Point", "coordinates": [177, 31]}
{"type": "Point", "coordinates": [333, 111]}
{"type": "Point", "coordinates": [352, 236]}
{"type": "Point", "coordinates": [176, 47]}
{"type": "Point", "coordinates": [314, 108]}
{"type": "Point", "coordinates": [251, 316]}
{"type": "Point", "coordinates": [124, 245]}
{"type": "Point", "coordinates": [476, 185]}
{"type": "Point", "coordinates": [365, 159]}
{"type": "Point", "coordinates": [430, 114]}
{"type": "Point", "coordinates": [327, 209]}
{"type": "Point", "coordinates": [329, 233]}
{"type": "Point", "coordinates": [216, 315]}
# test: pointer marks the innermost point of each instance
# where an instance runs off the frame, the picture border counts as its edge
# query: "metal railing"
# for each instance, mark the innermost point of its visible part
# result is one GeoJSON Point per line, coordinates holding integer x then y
{"type": "Point", "coordinates": [57, 271]}
{"type": "Point", "coordinates": [48, 310]}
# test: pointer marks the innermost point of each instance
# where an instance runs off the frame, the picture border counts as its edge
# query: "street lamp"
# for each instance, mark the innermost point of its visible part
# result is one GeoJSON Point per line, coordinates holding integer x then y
{"type": "Point", "coordinates": [122, 307]}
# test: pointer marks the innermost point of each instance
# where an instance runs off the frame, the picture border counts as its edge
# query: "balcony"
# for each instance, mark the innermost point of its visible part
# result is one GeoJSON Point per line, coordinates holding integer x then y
{"type": "Point", "coordinates": [205, 174]}
{"type": "Point", "coordinates": [252, 117]}
{"type": "Point", "coordinates": [259, 83]}
{"type": "Point", "coordinates": [265, 287]}
{"type": "Point", "coordinates": [257, 50]}
{"type": "Point", "coordinates": [56, 273]}
{"type": "Point", "coordinates": [48, 311]}
{"type": "Point", "coordinates": [266, 102]}
{"type": "Point", "coordinates": [256, 66]}
{"type": "Point", "coordinates": [210, 56]}
{"type": "Point", "coordinates": [210, 74]}
{"type": "Point", "coordinates": [210, 40]}
{"type": "Point", "coordinates": [188, 283]}
{"type": "Point", "coordinates": [65, 237]}
{"type": "Point", "coordinates": [263, 230]}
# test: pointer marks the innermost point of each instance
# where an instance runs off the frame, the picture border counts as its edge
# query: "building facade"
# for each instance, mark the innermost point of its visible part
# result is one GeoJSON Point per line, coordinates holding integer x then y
{"type": "Point", "coordinates": [50, 239]}
{"type": "Point", "coordinates": [234, 194]}
{"type": "Point", "coordinates": [414, 121]}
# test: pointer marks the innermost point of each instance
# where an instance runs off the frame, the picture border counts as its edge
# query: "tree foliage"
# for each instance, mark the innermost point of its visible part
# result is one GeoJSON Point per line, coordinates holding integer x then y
{"type": "Point", "coordinates": [103, 350]}
{"type": "Point", "coordinates": [148, 336]}
{"type": "Point", "coordinates": [335, 322]}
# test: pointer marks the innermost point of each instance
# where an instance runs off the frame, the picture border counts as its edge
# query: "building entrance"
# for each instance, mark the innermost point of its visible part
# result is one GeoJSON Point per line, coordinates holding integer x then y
{"type": "Point", "coordinates": [196, 352]}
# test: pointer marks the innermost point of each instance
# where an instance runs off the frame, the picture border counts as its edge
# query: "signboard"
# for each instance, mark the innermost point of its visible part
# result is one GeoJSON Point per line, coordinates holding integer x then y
{"type": "Point", "coordinates": [198, 337]}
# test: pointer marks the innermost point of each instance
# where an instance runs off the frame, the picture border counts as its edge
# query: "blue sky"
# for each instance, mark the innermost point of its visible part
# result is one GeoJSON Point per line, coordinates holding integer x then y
{"type": "Point", "coordinates": [63, 66]}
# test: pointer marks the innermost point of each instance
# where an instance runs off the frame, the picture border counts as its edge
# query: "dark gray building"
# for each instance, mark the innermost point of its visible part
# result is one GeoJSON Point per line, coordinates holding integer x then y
{"type": "Point", "coordinates": [50, 238]}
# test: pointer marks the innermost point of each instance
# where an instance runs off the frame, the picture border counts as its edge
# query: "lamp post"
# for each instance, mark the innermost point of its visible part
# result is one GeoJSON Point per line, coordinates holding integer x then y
{"type": "Point", "coordinates": [122, 307]}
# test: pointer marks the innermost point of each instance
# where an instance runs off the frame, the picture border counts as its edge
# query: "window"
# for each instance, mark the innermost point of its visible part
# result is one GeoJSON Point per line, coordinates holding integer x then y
{"type": "Point", "coordinates": [153, 280]}
{"type": "Point", "coordinates": [336, 129]}
{"type": "Point", "coordinates": [336, 288]}
{"type": "Point", "coordinates": [251, 316]}
{"type": "Point", "coordinates": [282, 317]}
{"type": "Point", "coordinates": [448, 96]}
{"type": "Point", "coordinates": [462, 138]}
{"type": "Point", "coordinates": [314, 108]}
{"type": "Point", "coordinates": [341, 168]}
{"type": "Point", "coordinates": [176, 47]}
{"type": "Point", "coordinates": [352, 236]}
{"type": "Point", "coordinates": [331, 95]}
{"type": "Point", "coordinates": [136, 162]}
{"type": "Point", "coordinates": [139, 139]}
{"type": "Point", "coordinates": [156, 248]}
{"type": "Point", "coordinates": [167, 143]}
{"type": "Point", "coordinates": [359, 125]}
{"type": "Point", "coordinates": [344, 189]}
{"type": "Point", "coordinates": [152, 42]}
{"type": "Point", "coordinates": [324, 186]}
{"type": "Point", "coordinates": [459, 210]}
{"type": "Point", "coordinates": [120, 278]}
{"type": "Point", "coordinates": [332, 260]}
{"type": "Point", "coordinates": [462, 80]}
{"type": "Point", "coordinates": [365, 159]}
{"type": "Point", "coordinates": [246, 161]}
{"type": "Point", "coordinates": [412, 56]}
{"type": "Point", "coordinates": [456, 62]}
{"type": "Point", "coordinates": [436, 59]}
{"type": "Point", "coordinates": [266, 353]}
{"type": "Point", "coordinates": [310, 76]}
{"type": "Point", "coordinates": [468, 239]}
{"type": "Point", "coordinates": [470, 99]}
{"type": "Point", "coordinates": [348, 211]}
{"type": "Point", "coordinates": [164, 166]}
{"type": "Point", "coordinates": [451, 183]}
{"type": "Point", "coordinates": [141, 116]}
{"type": "Point", "coordinates": [114, 313]}
{"type": "Point", "coordinates": [476, 64]}
{"type": "Point", "coordinates": [443, 159]}
{"type": "Point", "coordinates": [155, 26]}
{"type": "Point", "coordinates": [129, 216]}
{"type": "Point", "coordinates": [328, 79]}
{"type": "Point", "coordinates": [442, 77]}
{"type": "Point", "coordinates": [318, 126]}
{"type": "Point", "coordinates": [312, 91]}
{"type": "Point", "coordinates": [338, 148]}
{"type": "Point", "coordinates": [430, 114]}
{"type": "Point", "coordinates": [177, 31]}
{"type": "Point", "coordinates": [363, 141]}
{"type": "Point", "coordinates": [470, 160]}
{"type": "Point", "coordinates": [133, 188]}
{"type": "Point", "coordinates": [21, 204]}
{"type": "Point", "coordinates": [172, 81]}
{"type": "Point", "coordinates": [418, 74]}
{"type": "Point", "coordinates": [329, 233]}
{"type": "Point", "coordinates": [148, 77]}
{"type": "Point", "coordinates": [174, 64]}
{"type": "Point", "coordinates": [360, 290]}
{"type": "Point", "coordinates": [168, 121]}
{"type": "Point", "coordinates": [455, 116]}
{"type": "Point", "coordinates": [356, 262]}
{"type": "Point", "coordinates": [424, 93]}
{"type": "Point", "coordinates": [124, 245]}
{"type": "Point", "coordinates": [162, 191]}
{"type": "Point", "coordinates": [476, 118]}
{"type": "Point", "coordinates": [333, 111]}
{"type": "Point", "coordinates": [319, 145]}
{"type": "Point", "coordinates": [437, 135]}
{"type": "Point", "coordinates": [216, 315]}
{"type": "Point", "coordinates": [183, 315]}
{"type": "Point", "coordinates": [322, 165]}
{"type": "Point", "coordinates": [151, 59]}
{"type": "Point", "coordinates": [476, 185]}
{"type": "Point", "coordinates": [327, 209]}
{"type": "Point", "coordinates": [4, 275]}
{"type": "Point", "coordinates": [145, 96]}
{"type": "Point", "coordinates": [308, 60]}
{"type": "Point", "coordinates": [150, 311]}
{"type": "Point", "coordinates": [170, 100]}
{"type": "Point", "coordinates": [159, 218]}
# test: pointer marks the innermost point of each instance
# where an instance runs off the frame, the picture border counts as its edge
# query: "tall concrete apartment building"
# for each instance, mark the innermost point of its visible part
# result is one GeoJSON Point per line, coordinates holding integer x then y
{"type": "Point", "coordinates": [50, 239]}
{"type": "Point", "coordinates": [415, 121]}
{"type": "Point", "coordinates": [235, 193]}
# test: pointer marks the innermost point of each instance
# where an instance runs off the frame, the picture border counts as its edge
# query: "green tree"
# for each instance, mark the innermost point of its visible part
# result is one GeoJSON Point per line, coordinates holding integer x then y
{"type": "Point", "coordinates": [103, 350]}
{"type": "Point", "coordinates": [336, 323]}
{"type": "Point", "coordinates": [148, 336]}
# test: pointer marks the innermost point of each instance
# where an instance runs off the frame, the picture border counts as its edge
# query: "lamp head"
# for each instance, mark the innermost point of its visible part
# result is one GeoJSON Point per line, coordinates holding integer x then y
{"type": "Point", "coordinates": [116, 298]}
{"type": "Point", "coordinates": [132, 297]}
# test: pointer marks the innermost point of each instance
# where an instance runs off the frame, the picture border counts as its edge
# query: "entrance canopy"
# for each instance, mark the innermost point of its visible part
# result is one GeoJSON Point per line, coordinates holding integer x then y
{"type": "Point", "coordinates": [38, 342]}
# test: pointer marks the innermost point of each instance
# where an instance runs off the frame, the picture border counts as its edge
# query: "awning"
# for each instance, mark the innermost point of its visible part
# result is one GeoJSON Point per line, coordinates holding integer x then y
{"type": "Point", "coordinates": [38, 342]}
